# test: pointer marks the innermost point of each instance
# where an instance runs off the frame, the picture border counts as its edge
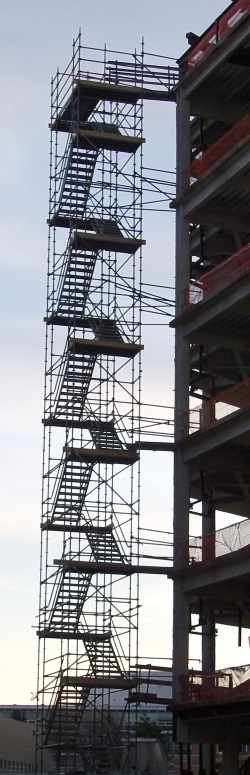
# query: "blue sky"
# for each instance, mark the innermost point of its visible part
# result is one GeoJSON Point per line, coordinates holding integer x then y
{"type": "Point", "coordinates": [36, 37]}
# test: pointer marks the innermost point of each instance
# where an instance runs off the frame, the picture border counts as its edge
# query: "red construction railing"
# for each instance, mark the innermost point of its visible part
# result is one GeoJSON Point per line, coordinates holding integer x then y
{"type": "Point", "coordinates": [204, 685]}
{"type": "Point", "coordinates": [230, 140]}
{"type": "Point", "coordinates": [222, 275]}
{"type": "Point", "coordinates": [234, 399]}
{"type": "Point", "coordinates": [209, 547]}
{"type": "Point", "coordinates": [222, 27]}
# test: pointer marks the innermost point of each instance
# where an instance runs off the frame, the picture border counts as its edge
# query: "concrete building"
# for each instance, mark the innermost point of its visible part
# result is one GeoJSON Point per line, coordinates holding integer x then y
{"type": "Point", "coordinates": [212, 440]}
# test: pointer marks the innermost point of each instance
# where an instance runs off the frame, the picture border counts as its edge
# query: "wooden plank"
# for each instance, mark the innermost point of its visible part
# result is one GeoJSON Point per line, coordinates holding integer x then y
{"type": "Point", "coordinates": [150, 698]}
{"type": "Point", "coordinates": [116, 568]}
{"type": "Point", "coordinates": [99, 681]}
{"type": "Point", "coordinates": [110, 141]}
{"type": "Point", "coordinates": [102, 455]}
{"type": "Point", "coordinates": [105, 347]}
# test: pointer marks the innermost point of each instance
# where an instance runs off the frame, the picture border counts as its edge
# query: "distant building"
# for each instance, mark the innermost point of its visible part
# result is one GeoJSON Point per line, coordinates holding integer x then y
{"type": "Point", "coordinates": [17, 745]}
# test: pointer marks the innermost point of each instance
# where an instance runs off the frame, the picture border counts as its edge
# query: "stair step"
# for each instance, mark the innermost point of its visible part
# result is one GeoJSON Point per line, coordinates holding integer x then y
{"type": "Point", "coordinates": [71, 587]}
{"type": "Point", "coordinates": [75, 282]}
{"type": "Point", "coordinates": [102, 658]}
{"type": "Point", "coordinates": [62, 721]}
{"type": "Point", "coordinates": [72, 488]}
{"type": "Point", "coordinates": [74, 386]}
{"type": "Point", "coordinates": [104, 547]}
{"type": "Point", "coordinates": [78, 170]}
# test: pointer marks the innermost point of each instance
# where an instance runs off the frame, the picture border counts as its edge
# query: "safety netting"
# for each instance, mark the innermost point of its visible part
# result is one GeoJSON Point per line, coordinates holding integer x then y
{"type": "Point", "coordinates": [234, 399]}
{"type": "Point", "coordinates": [221, 542]}
{"type": "Point", "coordinates": [227, 272]}
{"type": "Point", "coordinates": [217, 32]}
{"type": "Point", "coordinates": [203, 685]}
{"type": "Point", "coordinates": [226, 144]}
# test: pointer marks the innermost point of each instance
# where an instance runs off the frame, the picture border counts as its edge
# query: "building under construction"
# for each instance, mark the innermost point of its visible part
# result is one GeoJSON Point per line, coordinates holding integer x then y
{"type": "Point", "coordinates": [95, 426]}
{"type": "Point", "coordinates": [212, 391]}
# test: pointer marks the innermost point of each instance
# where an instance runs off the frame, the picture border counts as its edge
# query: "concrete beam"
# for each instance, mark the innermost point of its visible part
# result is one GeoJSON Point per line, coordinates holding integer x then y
{"type": "Point", "coordinates": [204, 336]}
{"type": "Point", "coordinates": [232, 569]}
{"type": "Point", "coordinates": [212, 184]}
{"type": "Point", "coordinates": [227, 299]}
{"type": "Point", "coordinates": [202, 730]}
{"type": "Point", "coordinates": [215, 442]}
{"type": "Point", "coordinates": [223, 218]}
{"type": "Point", "coordinates": [217, 109]}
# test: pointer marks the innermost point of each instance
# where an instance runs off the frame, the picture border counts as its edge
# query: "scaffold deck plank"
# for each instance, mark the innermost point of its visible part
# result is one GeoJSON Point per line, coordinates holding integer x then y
{"type": "Point", "coordinates": [100, 681]}
{"type": "Point", "coordinates": [116, 568]}
{"type": "Point", "coordinates": [91, 92]}
{"type": "Point", "coordinates": [105, 347]}
{"type": "Point", "coordinates": [102, 455]}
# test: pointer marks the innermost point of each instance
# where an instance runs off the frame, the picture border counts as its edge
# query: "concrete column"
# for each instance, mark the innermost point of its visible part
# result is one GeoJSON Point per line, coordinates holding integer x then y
{"type": "Point", "coordinates": [208, 628]}
{"type": "Point", "coordinates": [230, 761]}
{"type": "Point", "coordinates": [181, 473]}
{"type": "Point", "coordinates": [208, 635]}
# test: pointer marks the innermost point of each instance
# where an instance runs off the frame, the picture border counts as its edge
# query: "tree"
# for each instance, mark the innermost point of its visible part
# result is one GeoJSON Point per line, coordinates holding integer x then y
{"type": "Point", "coordinates": [147, 728]}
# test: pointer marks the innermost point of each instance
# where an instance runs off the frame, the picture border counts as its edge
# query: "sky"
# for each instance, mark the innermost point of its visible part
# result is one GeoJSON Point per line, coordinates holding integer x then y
{"type": "Point", "coordinates": [36, 38]}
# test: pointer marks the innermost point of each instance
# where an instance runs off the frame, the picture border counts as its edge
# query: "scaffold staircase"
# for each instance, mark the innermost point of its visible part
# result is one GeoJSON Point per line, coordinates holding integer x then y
{"type": "Point", "coordinates": [75, 281]}
{"type": "Point", "coordinates": [104, 546]}
{"type": "Point", "coordinates": [71, 590]}
{"type": "Point", "coordinates": [104, 435]}
{"type": "Point", "coordinates": [64, 716]}
{"type": "Point", "coordinates": [102, 658]}
{"type": "Point", "coordinates": [73, 385]}
{"type": "Point", "coordinates": [73, 482]}
{"type": "Point", "coordinates": [101, 756]}
{"type": "Point", "coordinates": [76, 172]}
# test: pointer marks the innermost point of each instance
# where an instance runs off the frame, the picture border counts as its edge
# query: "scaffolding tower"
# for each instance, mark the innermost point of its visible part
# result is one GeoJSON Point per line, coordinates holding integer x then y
{"type": "Point", "coordinates": [90, 563]}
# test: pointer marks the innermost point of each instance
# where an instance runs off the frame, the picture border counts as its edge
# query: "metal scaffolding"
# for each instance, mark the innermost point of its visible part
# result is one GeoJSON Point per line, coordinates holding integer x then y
{"type": "Point", "coordinates": [90, 563]}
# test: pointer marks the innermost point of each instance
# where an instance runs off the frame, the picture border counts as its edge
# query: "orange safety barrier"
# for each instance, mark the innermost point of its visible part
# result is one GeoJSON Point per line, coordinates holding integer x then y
{"type": "Point", "coordinates": [222, 27]}
{"type": "Point", "coordinates": [232, 17]}
{"type": "Point", "coordinates": [207, 42]}
{"type": "Point", "coordinates": [223, 274]}
{"type": "Point", "coordinates": [235, 398]}
{"type": "Point", "coordinates": [211, 546]}
{"type": "Point", "coordinates": [203, 685]}
{"type": "Point", "coordinates": [231, 139]}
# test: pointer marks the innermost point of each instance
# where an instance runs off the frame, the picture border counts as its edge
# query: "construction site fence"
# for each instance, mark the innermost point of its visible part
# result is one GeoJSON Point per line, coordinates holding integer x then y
{"type": "Point", "coordinates": [228, 142]}
{"type": "Point", "coordinates": [213, 545]}
{"type": "Point", "coordinates": [234, 399]}
{"type": "Point", "coordinates": [219, 30]}
{"type": "Point", "coordinates": [227, 272]}
{"type": "Point", "coordinates": [203, 685]}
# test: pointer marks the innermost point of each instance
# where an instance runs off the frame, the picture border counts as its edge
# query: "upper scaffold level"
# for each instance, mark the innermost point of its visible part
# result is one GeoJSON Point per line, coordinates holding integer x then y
{"type": "Point", "coordinates": [89, 92]}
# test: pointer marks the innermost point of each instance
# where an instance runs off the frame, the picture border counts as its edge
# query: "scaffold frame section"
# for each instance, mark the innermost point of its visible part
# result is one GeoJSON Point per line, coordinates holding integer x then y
{"type": "Point", "coordinates": [90, 528]}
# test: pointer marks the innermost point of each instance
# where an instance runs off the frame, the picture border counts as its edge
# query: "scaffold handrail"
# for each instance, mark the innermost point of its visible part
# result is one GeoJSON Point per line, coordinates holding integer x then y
{"type": "Point", "coordinates": [141, 70]}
